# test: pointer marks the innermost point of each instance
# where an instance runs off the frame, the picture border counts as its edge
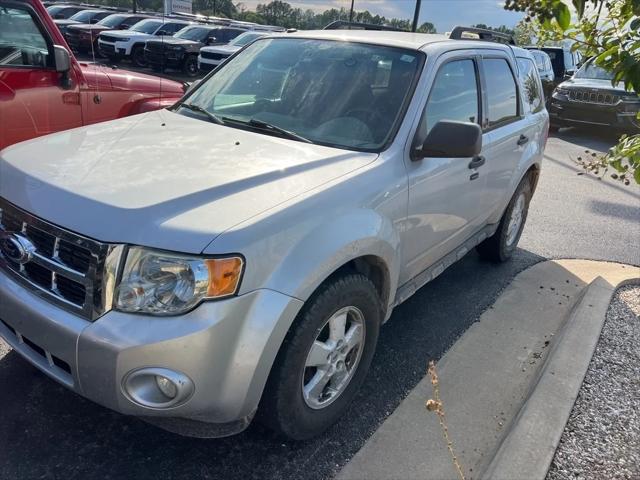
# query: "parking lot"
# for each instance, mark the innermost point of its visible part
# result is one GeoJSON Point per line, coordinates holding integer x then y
{"type": "Point", "coordinates": [49, 432]}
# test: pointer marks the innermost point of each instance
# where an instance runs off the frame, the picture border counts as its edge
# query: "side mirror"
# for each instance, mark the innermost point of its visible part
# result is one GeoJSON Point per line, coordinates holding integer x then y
{"type": "Point", "coordinates": [188, 87]}
{"type": "Point", "coordinates": [93, 21]}
{"type": "Point", "coordinates": [161, 32]}
{"type": "Point", "coordinates": [62, 59]}
{"type": "Point", "coordinates": [449, 139]}
{"type": "Point", "coordinates": [568, 73]}
{"type": "Point", "coordinates": [212, 41]}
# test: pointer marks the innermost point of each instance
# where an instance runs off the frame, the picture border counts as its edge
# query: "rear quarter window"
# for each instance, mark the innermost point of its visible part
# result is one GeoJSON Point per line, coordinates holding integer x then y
{"type": "Point", "coordinates": [531, 86]}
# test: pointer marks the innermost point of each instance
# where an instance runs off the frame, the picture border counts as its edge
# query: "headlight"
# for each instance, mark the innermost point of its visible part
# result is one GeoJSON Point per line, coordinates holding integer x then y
{"type": "Point", "coordinates": [561, 91]}
{"type": "Point", "coordinates": [174, 47]}
{"type": "Point", "coordinates": [161, 283]}
{"type": "Point", "coordinates": [630, 98]}
{"type": "Point", "coordinates": [124, 39]}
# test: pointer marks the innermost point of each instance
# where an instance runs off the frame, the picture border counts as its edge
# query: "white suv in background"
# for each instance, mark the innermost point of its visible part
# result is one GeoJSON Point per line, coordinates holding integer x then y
{"type": "Point", "coordinates": [118, 44]}
{"type": "Point", "coordinates": [210, 57]}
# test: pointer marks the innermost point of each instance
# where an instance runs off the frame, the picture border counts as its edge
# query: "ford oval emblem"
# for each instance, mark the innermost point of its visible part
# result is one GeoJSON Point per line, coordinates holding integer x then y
{"type": "Point", "coordinates": [16, 248]}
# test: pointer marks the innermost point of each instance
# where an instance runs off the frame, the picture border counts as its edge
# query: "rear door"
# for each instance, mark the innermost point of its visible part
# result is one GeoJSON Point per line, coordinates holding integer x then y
{"type": "Point", "coordinates": [505, 122]}
{"type": "Point", "coordinates": [32, 99]}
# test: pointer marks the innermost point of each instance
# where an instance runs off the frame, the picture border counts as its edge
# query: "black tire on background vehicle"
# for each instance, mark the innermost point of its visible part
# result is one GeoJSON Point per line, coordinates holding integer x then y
{"type": "Point", "coordinates": [137, 56]}
{"type": "Point", "coordinates": [190, 66]}
{"type": "Point", "coordinates": [316, 374]}
{"type": "Point", "coordinates": [500, 246]}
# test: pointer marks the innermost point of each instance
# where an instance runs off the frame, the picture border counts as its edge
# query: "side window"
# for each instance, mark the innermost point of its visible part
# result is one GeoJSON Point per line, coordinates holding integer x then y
{"type": "Point", "coordinates": [21, 42]}
{"type": "Point", "coordinates": [530, 84]}
{"type": "Point", "coordinates": [453, 96]}
{"type": "Point", "coordinates": [172, 28]}
{"type": "Point", "coordinates": [502, 100]}
{"type": "Point", "coordinates": [231, 34]}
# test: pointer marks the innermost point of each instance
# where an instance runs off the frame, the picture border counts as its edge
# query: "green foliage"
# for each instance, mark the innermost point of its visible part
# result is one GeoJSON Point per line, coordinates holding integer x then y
{"type": "Point", "coordinates": [609, 32]}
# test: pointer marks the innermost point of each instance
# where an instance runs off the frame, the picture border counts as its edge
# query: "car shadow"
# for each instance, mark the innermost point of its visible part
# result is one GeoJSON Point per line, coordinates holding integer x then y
{"type": "Point", "coordinates": [598, 139]}
{"type": "Point", "coordinates": [47, 431]}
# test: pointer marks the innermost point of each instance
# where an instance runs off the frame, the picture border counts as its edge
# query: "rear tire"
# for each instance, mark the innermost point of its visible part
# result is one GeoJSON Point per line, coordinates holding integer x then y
{"type": "Point", "coordinates": [296, 403]}
{"type": "Point", "coordinates": [500, 246]}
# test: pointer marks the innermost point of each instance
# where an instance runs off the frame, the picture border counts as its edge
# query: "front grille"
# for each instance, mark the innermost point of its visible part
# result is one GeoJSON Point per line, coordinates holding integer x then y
{"type": "Point", "coordinates": [154, 46]}
{"type": "Point", "coordinates": [106, 48]}
{"type": "Point", "coordinates": [108, 38]}
{"type": "Point", "coordinates": [64, 268]}
{"type": "Point", "coordinates": [213, 56]}
{"type": "Point", "coordinates": [588, 96]}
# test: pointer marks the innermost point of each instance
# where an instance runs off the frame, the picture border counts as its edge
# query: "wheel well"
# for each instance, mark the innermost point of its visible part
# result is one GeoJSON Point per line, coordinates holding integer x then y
{"type": "Point", "coordinates": [534, 174]}
{"type": "Point", "coordinates": [375, 269]}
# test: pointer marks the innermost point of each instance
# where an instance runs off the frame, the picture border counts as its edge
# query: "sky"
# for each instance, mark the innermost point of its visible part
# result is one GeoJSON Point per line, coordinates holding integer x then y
{"type": "Point", "coordinates": [444, 14]}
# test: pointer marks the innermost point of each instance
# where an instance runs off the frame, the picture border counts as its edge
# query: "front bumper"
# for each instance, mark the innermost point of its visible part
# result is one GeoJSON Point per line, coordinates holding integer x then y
{"type": "Point", "coordinates": [566, 112]}
{"type": "Point", "coordinates": [226, 348]}
{"type": "Point", "coordinates": [169, 59]}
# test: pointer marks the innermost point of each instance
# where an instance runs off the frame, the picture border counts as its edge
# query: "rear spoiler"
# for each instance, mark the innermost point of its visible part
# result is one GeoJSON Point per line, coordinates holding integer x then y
{"type": "Point", "coordinates": [482, 34]}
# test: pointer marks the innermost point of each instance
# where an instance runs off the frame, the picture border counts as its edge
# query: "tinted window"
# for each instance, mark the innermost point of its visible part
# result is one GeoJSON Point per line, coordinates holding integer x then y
{"type": "Point", "coordinates": [21, 43]}
{"type": "Point", "coordinates": [530, 84]}
{"type": "Point", "coordinates": [112, 20]}
{"type": "Point", "coordinates": [84, 16]}
{"type": "Point", "coordinates": [171, 28]}
{"type": "Point", "coordinates": [454, 96]}
{"type": "Point", "coordinates": [501, 91]}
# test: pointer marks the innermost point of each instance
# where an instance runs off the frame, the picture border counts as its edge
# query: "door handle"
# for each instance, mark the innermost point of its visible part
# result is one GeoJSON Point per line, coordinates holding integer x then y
{"type": "Point", "coordinates": [476, 161]}
{"type": "Point", "coordinates": [523, 139]}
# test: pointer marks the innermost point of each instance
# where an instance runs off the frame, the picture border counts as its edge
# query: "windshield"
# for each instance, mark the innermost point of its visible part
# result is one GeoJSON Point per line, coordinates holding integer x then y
{"type": "Point", "coordinates": [197, 34]}
{"type": "Point", "coordinates": [335, 93]}
{"type": "Point", "coordinates": [55, 9]}
{"type": "Point", "coordinates": [146, 26]}
{"type": "Point", "coordinates": [84, 15]}
{"type": "Point", "coordinates": [589, 70]}
{"type": "Point", "coordinates": [245, 38]}
{"type": "Point", "coordinates": [111, 20]}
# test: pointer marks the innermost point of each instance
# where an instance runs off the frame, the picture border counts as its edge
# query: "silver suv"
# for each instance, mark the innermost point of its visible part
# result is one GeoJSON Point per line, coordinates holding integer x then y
{"type": "Point", "coordinates": [235, 255]}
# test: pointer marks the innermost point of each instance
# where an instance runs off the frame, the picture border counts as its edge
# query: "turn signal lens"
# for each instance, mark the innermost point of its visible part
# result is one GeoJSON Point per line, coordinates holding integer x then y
{"type": "Point", "coordinates": [224, 276]}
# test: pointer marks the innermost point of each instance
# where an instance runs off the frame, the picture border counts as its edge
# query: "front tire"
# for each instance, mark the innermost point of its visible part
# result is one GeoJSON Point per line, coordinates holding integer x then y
{"type": "Point", "coordinates": [500, 246]}
{"type": "Point", "coordinates": [190, 67]}
{"type": "Point", "coordinates": [137, 57]}
{"type": "Point", "coordinates": [324, 359]}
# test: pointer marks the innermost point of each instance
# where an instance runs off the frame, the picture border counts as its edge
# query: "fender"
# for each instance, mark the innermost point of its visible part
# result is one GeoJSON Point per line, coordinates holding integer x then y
{"type": "Point", "coordinates": [332, 244]}
{"type": "Point", "coordinates": [151, 104]}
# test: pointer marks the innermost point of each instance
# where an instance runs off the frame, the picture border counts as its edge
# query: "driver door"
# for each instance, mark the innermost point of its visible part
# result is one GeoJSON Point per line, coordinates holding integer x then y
{"type": "Point", "coordinates": [445, 194]}
{"type": "Point", "coordinates": [32, 100]}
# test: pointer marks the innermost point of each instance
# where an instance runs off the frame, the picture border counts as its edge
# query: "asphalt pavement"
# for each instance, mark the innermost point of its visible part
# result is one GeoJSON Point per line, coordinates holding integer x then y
{"type": "Point", "coordinates": [49, 432]}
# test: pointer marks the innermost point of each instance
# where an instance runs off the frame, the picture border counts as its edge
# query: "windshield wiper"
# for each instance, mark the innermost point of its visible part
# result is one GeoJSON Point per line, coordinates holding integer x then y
{"type": "Point", "coordinates": [197, 108]}
{"type": "Point", "coordinates": [270, 128]}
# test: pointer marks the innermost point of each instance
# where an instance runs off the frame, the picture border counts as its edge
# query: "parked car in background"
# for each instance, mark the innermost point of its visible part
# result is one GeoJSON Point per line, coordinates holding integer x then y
{"type": "Point", "coordinates": [129, 44]}
{"type": "Point", "coordinates": [545, 70]}
{"type": "Point", "coordinates": [43, 89]}
{"type": "Point", "coordinates": [563, 61]}
{"type": "Point", "coordinates": [210, 57]}
{"type": "Point", "coordinates": [84, 37]}
{"type": "Point", "coordinates": [61, 11]}
{"type": "Point", "coordinates": [82, 17]}
{"type": "Point", "coordinates": [589, 98]}
{"type": "Point", "coordinates": [237, 253]}
{"type": "Point", "coordinates": [181, 51]}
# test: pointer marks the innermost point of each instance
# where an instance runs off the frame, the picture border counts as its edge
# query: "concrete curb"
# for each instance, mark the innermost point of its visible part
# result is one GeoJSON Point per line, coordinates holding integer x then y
{"type": "Point", "coordinates": [502, 383]}
{"type": "Point", "coordinates": [528, 448]}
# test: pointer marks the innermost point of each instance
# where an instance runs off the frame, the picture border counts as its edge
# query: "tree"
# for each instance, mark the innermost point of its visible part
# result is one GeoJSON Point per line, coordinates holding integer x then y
{"type": "Point", "coordinates": [608, 31]}
{"type": "Point", "coordinates": [427, 27]}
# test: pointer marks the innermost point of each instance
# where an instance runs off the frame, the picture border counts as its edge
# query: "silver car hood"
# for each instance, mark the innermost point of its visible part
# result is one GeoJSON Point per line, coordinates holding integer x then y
{"type": "Point", "coordinates": [161, 179]}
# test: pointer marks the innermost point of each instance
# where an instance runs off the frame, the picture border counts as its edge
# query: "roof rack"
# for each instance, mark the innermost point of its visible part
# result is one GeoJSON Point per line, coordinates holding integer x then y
{"type": "Point", "coordinates": [344, 25]}
{"type": "Point", "coordinates": [483, 34]}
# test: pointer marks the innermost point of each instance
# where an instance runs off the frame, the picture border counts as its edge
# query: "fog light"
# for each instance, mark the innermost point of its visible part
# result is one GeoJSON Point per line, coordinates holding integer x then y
{"type": "Point", "coordinates": [167, 387]}
{"type": "Point", "coordinates": [157, 388]}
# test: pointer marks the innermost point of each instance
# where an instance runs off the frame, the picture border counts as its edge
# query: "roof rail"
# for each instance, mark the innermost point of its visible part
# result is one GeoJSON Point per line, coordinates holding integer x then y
{"type": "Point", "coordinates": [344, 25]}
{"type": "Point", "coordinates": [483, 34]}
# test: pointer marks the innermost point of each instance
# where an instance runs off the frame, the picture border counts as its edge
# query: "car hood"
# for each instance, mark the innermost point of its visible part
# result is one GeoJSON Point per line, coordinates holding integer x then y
{"type": "Point", "coordinates": [226, 49]}
{"type": "Point", "coordinates": [129, 81]}
{"type": "Point", "coordinates": [125, 33]}
{"type": "Point", "coordinates": [88, 27]}
{"type": "Point", "coordinates": [163, 180]}
{"type": "Point", "coordinates": [173, 41]}
{"type": "Point", "coordinates": [594, 83]}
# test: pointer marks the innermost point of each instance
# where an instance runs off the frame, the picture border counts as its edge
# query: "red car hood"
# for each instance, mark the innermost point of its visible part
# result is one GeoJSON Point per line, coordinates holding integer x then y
{"type": "Point", "coordinates": [118, 79]}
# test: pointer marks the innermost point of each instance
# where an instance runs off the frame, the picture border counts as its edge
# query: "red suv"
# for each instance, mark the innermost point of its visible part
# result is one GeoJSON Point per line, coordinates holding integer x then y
{"type": "Point", "coordinates": [44, 89]}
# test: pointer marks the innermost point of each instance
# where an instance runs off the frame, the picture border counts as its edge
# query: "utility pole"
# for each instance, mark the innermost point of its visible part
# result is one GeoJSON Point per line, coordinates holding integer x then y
{"type": "Point", "coordinates": [416, 16]}
{"type": "Point", "coordinates": [351, 12]}
{"type": "Point", "coordinates": [134, 6]}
